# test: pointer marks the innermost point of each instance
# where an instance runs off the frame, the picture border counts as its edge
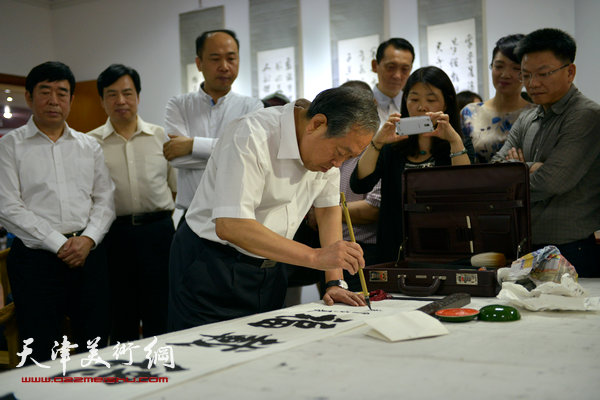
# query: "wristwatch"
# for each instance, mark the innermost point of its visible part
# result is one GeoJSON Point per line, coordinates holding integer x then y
{"type": "Point", "coordinates": [337, 282]}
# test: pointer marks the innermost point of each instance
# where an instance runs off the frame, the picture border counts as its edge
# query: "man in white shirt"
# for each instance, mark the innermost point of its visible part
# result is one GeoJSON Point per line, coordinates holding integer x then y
{"type": "Point", "coordinates": [139, 239]}
{"type": "Point", "coordinates": [194, 121]}
{"type": "Point", "coordinates": [393, 63]}
{"type": "Point", "coordinates": [265, 173]}
{"type": "Point", "coordinates": [56, 196]}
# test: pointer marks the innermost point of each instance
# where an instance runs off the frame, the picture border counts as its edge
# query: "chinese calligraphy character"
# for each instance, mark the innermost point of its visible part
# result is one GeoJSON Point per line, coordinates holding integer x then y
{"type": "Point", "coordinates": [92, 345]}
{"type": "Point", "coordinates": [302, 321]}
{"type": "Point", "coordinates": [27, 352]}
{"type": "Point", "coordinates": [235, 343]}
{"type": "Point", "coordinates": [469, 40]}
{"type": "Point", "coordinates": [164, 354]}
{"type": "Point", "coordinates": [64, 351]}
{"type": "Point", "coordinates": [122, 348]}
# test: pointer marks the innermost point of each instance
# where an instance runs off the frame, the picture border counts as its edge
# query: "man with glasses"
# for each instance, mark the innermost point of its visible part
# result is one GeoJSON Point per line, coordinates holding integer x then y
{"type": "Point", "coordinates": [560, 141]}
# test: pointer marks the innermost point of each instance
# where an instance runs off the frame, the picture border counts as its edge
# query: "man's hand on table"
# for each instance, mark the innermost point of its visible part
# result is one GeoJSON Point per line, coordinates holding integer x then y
{"type": "Point", "coordinates": [336, 294]}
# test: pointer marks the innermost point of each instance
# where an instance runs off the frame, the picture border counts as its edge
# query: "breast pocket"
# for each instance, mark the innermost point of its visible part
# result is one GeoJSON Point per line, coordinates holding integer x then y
{"type": "Point", "coordinates": [79, 170]}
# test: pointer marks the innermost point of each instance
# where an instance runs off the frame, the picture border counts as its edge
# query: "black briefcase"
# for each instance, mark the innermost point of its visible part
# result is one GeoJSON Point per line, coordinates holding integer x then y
{"type": "Point", "coordinates": [449, 215]}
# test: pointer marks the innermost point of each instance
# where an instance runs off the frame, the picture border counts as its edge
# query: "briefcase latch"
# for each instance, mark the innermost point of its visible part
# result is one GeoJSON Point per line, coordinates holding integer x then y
{"type": "Point", "coordinates": [378, 276]}
{"type": "Point", "coordinates": [466, 279]}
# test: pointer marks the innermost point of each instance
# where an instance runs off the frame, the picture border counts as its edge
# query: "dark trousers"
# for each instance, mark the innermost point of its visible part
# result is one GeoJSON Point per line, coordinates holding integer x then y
{"type": "Point", "coordinates": [583, 254]}
{"type": "Point", "coordinates": [210, 282]}
{"type": "Point", "coordinates": [45, 290]}
{"type": "Point", "coordinates": [138, 264]}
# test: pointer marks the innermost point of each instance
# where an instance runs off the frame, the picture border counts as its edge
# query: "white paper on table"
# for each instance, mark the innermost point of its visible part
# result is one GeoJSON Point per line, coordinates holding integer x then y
{"type": "Point", "coordinates": [405, 326]}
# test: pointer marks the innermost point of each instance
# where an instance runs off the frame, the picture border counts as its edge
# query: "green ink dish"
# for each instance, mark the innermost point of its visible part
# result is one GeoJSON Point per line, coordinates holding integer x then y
{"type": "Point", "coordinates": [498, 313]}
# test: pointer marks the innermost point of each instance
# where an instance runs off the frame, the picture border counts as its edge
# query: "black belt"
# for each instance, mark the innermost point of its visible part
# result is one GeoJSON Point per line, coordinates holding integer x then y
{"type": "Point", "coordinates": [257, 262]}
{"type": "Point", "coordinates": [143, 218]}
{"type": "Point", "coordinates": [73, 234]}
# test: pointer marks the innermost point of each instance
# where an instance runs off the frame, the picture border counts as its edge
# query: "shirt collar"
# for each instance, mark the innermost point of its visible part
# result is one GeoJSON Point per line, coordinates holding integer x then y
{"type": "Point", "coordinates": [33, 130]}
{"type": "Point", "coordinates": [288, 145]}
{"type": "Point", "coordinates": [384, 101]}
{"type": "Point", "coordinates": [560, 106]}
{"type": "Point", "coordinates": [208, 98]}
{"type": "Point", "coordinates": [142, 127]}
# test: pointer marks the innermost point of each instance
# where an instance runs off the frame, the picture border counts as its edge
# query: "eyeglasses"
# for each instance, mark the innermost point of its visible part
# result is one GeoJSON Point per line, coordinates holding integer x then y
{"type": "Point", "coordinates": [528, 76]}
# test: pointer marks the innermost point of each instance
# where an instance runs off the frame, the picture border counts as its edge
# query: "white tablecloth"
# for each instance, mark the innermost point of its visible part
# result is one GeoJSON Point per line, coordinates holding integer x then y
{"type": "Point", "coordinates": [545, 355]}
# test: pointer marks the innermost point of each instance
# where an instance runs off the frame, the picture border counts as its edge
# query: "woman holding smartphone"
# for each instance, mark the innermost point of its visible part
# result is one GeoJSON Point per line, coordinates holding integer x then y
{"type": "Point", "coordinates": [428, 92]}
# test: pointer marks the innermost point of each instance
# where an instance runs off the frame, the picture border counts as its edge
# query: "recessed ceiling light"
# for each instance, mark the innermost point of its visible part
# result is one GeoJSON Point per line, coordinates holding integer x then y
{"type": "Point", "coordinates": [9, 98]}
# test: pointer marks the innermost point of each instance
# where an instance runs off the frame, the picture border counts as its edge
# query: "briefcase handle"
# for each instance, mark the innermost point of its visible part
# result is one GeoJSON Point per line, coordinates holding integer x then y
{"type": "Point", "coordinates": [418, 290]}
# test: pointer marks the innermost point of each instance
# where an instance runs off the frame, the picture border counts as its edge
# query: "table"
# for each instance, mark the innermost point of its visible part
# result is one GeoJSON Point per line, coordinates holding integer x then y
{"type": "Point", "coordinates": [545, 355]}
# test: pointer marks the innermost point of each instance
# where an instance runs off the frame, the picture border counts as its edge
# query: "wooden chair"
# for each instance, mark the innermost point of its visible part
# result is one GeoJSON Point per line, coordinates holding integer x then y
{"type": "Point", "coordinates": [7, 318]}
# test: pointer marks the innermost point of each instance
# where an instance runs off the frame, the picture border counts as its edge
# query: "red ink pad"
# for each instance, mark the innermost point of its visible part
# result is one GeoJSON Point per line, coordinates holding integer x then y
{"type": "Point", "coordinates": [457, 314]}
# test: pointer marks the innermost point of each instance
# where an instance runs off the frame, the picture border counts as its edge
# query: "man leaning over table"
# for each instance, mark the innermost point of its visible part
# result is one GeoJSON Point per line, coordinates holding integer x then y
{"type": "Point", "coordinates": [195, 121]}
{"type": "Point", "coordinates": [139, 240]}
{"type": "Point", "coordinates": [265, 173]}
{"type": "Point", "coordinates": [56, 196]}
{"type": "Point", "coordinates": [560, 142]}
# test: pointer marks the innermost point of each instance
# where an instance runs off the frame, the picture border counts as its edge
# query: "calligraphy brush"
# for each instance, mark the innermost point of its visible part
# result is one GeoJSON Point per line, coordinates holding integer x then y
{"type": "Point", "coordinates": [361, 275]}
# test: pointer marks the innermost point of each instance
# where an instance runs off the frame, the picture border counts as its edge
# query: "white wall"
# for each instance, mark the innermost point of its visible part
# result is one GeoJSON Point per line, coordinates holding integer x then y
{"type": "Point", "coordinates": [587, 34]}
{"type": "Point", "coordinates": [145, 34]}
{"type": "Point", "coordinates": [25, 37]}
{"type": "Point", "coordinates": [402, 20]}
{"type": "Point", "coordinates": [315, 43]}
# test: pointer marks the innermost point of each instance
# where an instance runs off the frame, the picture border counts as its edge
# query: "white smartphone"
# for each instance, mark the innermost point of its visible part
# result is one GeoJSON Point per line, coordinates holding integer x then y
{"type": "Point", "coordinates": [414, 125]}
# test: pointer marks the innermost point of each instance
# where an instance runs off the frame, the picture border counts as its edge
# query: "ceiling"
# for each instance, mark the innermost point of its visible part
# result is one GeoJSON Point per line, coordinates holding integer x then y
{"type": "Point", "coordinates": [52, 4]}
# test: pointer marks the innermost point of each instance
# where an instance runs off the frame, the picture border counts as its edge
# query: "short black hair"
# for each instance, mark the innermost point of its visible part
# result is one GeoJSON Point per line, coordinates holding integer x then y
{"type": "Point", "coordinates": [398, 43]}
{"type": "Point", "coordinates": [466, 97]}
{"type": "Point", "coordinates": [357, 84]}
{"type": "Point", "coordinates": [50, 71]}
{"type": "Point", "coordinates": [344, 108]}
{"type": "Point", "coordinates": [115, 71]}
{"type": "Point", "coordinates": [205, 35]}
{"type": "Point", "coordinates": [506, 45]}
{"type": "Point", "coordinates": [548, 39]}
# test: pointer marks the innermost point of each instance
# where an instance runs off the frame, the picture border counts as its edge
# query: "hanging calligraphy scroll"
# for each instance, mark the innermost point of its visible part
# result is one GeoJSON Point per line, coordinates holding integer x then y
{"type": "Point", "coordinates": [276, 72]}
{"type": "Point", "coordinates": [354, 59]}
{"type": "Point", "coordinates": [452, 48]}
